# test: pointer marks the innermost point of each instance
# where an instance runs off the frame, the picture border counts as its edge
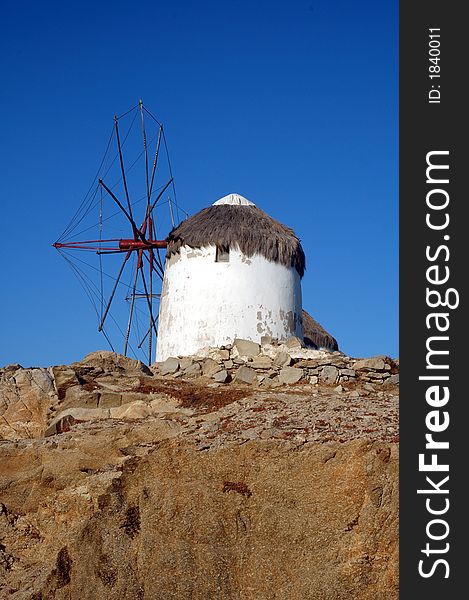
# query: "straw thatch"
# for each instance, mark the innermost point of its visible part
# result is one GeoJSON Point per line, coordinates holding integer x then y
{"type": "Point", "coordinates": [246, 228]}
{"type": "Point", "coordinates": [316, 336]}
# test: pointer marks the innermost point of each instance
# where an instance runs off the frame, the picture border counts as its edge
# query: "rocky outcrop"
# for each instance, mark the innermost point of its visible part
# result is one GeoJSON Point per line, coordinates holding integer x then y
{"type": "Point", "coordinates": [117, 482]}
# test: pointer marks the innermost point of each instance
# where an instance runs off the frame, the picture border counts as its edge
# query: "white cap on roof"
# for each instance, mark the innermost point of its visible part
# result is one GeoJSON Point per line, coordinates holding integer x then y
{"type": "Point", "coordinates": [234, 199]}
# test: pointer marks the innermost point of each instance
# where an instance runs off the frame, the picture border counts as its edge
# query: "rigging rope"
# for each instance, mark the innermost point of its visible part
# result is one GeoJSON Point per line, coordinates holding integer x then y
{"type": "Point", "coordinates": [90, 188]}
{"type": "Point", "coordinates": [92, 267]}
{"type": "Point", "coordinates": [91, 290]}
{"type": "Point", "coordinates": [83, 210]}
{"type": "Point", "coordinates": [90, 203]}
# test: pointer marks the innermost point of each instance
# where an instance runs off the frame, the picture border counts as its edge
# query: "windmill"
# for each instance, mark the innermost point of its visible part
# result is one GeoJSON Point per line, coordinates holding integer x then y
{"type": "Point", "coordinates": [119, 222]}
{"type": "Point", "coordinates": [229, 271]}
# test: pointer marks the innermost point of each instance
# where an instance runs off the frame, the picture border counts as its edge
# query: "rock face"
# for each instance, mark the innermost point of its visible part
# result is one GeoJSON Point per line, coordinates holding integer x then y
{"type": "Point", "coordinates": [152, 486]}
{"type": "Point", "coordinates": [26, 396]}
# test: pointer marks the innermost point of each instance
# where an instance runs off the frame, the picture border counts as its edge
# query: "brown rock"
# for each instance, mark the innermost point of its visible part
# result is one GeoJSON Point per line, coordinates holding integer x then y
{"type": "Point", "coordinates": [10, 369]}
{"type": "Point", "coordinates": [220, 354]}
{"type": "Point", "coordinates": [290, 375]}
{"type": "Point", "coordinates": [270, 382]}
{"type": "Point", "coordinates": [374, 375]}
{"type": "Point", "coordinates": [185, 362]}
{"type": "Point", "coordinates": [113, 362]}
{"type": "Point", "coordinates": [246, 347]}
{"type": "Point", "coordinates": [294, 342]}
{"type": "Point", "coordinates": [194, 370]}
{"type": "Point", "coordinates": [64, 378]}
{"type": "Point", "coordinates": [329, 374]}
{"type": "Point", "coordinates": [305, 363]}
{"type": "Point", "coordinates": [245, 375]}
{"type": "Point", "coordinates": [109, 399]}
{"type": "Point", "coordinates": [79, 519]}
{"type": "Point", "coordinates": [78, 396]}
{"type": "Point", "coordinates": [169, 366]}
{"type": "Point", "coordinates": [221, 376]}
{"type": "Point", "coordinates": [132, 410]}
{"type": "Point", "coordinates": [368, 364]}
{"type": "Point", "coordinates": [221, 470]}
{"type": "Point", "coordinates": [261, 363]}
{"type": "Point", "coordinates": [282, 359]}
{"type": "Point", "coordinates": [26, 395]}
{"type": "Point", "coordinates": [210, 367]}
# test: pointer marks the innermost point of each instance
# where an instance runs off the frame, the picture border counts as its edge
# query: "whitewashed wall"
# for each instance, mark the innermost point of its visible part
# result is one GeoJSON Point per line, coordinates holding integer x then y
{"type": "Point", "coordinates": [208, 303]}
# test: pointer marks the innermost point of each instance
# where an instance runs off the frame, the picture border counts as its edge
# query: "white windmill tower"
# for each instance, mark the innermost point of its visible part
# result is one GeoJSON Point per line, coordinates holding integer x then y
{"type": "Point", "coordinates": [231, 272]}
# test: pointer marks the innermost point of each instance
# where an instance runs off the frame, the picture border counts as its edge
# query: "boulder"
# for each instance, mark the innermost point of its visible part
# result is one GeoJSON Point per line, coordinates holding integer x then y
{"type": "Point", "coordinates": [112, 362]}
{"type": "Point", "coordinates": [282, 359]}
{"type": "Point", "coordinates": [329, 374]}
{"type": "Point", "coordinates": [294, 342]}
{"type": "Point", "coordinates": [375, 375]}
{"type": "Point", "coordinates": [221, 376]}
{"type": "Point", "coordinates": [245, 375]}
{"type": "Point", "coordinates": [193, 370]}
{"type": "Point", "coordinates": [220, 354]}
{"type": "Point", "coordinates": [61, 425]}
{"type": "Point", "coordinates": [307, 363]}
{"type": "Point", "coordinates": [169, 366]}
{"type": "Point", "coordinates": [261, 362]}
{"type": "Point", "coordinates": [290, 375]}
{"type": "Point", "coordinates": [210, 366]}
{"type": "Point", "coordinates": [375, 363]}
{"type": "Point", "coordinates": [132, 410]}
{"type": "Point", "coordinates": [246, 347]}
{"type": "Point", "coordinates": [185, 362]}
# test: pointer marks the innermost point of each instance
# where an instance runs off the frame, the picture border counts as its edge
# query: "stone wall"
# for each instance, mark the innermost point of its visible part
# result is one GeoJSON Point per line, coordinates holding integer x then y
{"type": "Point", "coordinates": [271, 365]}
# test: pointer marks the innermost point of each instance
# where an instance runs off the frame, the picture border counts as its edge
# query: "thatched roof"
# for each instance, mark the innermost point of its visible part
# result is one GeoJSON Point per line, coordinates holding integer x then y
{"type": "Point", "coordinates": [243, 227]}
{"type": "Point", "coordinates": [316, 336]}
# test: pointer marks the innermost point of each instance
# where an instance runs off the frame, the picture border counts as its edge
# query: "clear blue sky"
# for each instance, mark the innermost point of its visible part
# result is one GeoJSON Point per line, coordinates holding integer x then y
{"type": "Point", "coordinates": [291, 104]}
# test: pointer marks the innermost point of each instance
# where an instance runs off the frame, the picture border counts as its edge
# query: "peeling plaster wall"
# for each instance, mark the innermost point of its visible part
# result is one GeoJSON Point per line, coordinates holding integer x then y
{"type": "Point", "coordinates": [208, 303]}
